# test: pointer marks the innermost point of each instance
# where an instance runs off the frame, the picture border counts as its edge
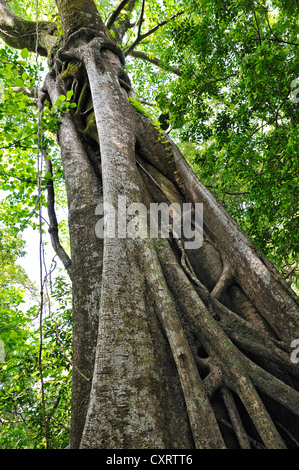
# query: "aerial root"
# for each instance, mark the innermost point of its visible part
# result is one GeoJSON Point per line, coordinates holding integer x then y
{"type": "Point", "coordinates": [197, 403]}
{"type": "Point", "coordinates": [213, 381]}
{"type": "Point", "coordinates": [254, 444]}
{"type": "Point", "coordinates": [253, 341]}
{"type": "Point", "coordinates": [223, 353]}
{"type": "Point", "coordinates": [235, 418]}
{"type": "Point", "coordinates": [223, 282]}
{"type": "Point", "coordinates": [188, 270]}
{"type": "Point", "coordinates": [273, 387]}
{"type": "Point", "coordinates": [288, 433]}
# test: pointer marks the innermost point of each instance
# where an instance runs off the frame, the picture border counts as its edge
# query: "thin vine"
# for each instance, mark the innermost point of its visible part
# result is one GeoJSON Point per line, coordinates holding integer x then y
{"type": "Point", "coordinates": [39, 183]}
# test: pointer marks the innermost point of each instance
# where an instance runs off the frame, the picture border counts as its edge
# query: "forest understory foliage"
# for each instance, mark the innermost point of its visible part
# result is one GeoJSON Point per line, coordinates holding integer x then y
{"type": "Point", "coordinates": [155, 345]}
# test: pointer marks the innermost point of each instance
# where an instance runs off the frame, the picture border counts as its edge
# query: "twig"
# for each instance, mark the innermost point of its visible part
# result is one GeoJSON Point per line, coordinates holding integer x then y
{"type": "Point", "coordinates": [88, 379]}
{"type": "Point", "coordinates": [289, 274]}
{"type": "Point", "coordinates": [216, 80]}
{"type": "Point", "coordinates": [58, 336]}
{"type": "Point", "coordinates": [29, 217]}
{"type": "Point", "coordinates": [41, 330]}
{"type": "Point", "coordinates": [24, 180]}
{"type": "Point", "coordinates": [17, 141]}
{"type": "Point", "coordinates": [275, 39]}
{"type": "Point", "coordinates": [151, 31]}
{"type": "Point", "coordinates": [229, 193]}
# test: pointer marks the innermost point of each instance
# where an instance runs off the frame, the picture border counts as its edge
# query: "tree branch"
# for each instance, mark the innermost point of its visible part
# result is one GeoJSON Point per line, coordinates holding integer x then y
{"type": "Point", "coordinates": [16, 143]}
{"type": "Point", "coordinates": [158, 62]}
{"type": "Point", "coordinates": [222, 79]}
{"type": "Point", "coordinates": [30, 92]}
{"type": "Point", "coordinates": [141, 19]}
{"type": "Point", "coordinates": [275, 38]}
{"type": "Point", "coordinates": [229, 193]}
{"type": "Point", "coordinates": [19, 33]}
{"type": "Point", "coordinates": [257, 26]}
{"type": "Point", "coordinates": [123, 23]}
{"type": "Point", "coordinates": [151, 31]}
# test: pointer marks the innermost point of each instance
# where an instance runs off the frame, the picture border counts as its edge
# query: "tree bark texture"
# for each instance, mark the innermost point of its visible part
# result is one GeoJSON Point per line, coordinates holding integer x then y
{"type": "Point", "coordinates": [173, 348]}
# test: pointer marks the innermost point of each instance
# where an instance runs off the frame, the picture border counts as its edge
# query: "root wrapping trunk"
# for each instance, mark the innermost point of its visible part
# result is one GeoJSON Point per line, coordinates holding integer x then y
{"type": "Point", "coordinates": [183, 348]}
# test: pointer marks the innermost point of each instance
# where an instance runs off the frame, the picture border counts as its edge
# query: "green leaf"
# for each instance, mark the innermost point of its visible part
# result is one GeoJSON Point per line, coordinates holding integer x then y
{"type": "Point", "coordinates": [19, 82]}
{"type": "Point", "coordinates": [59, 101]}
{"type": "Point", "coordinates": [69, 94]}
{"type": "Point", "coordinates": [24, 53]}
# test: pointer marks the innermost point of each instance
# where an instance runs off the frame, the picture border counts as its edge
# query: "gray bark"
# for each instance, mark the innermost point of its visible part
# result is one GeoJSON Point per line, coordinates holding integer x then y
{"type": "Point", "coordinates": [126, 406]}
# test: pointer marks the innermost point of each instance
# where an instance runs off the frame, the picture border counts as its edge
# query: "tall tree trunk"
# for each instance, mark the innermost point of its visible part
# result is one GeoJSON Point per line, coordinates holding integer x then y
{"type": "Point", "coordinates": [173, 347]}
